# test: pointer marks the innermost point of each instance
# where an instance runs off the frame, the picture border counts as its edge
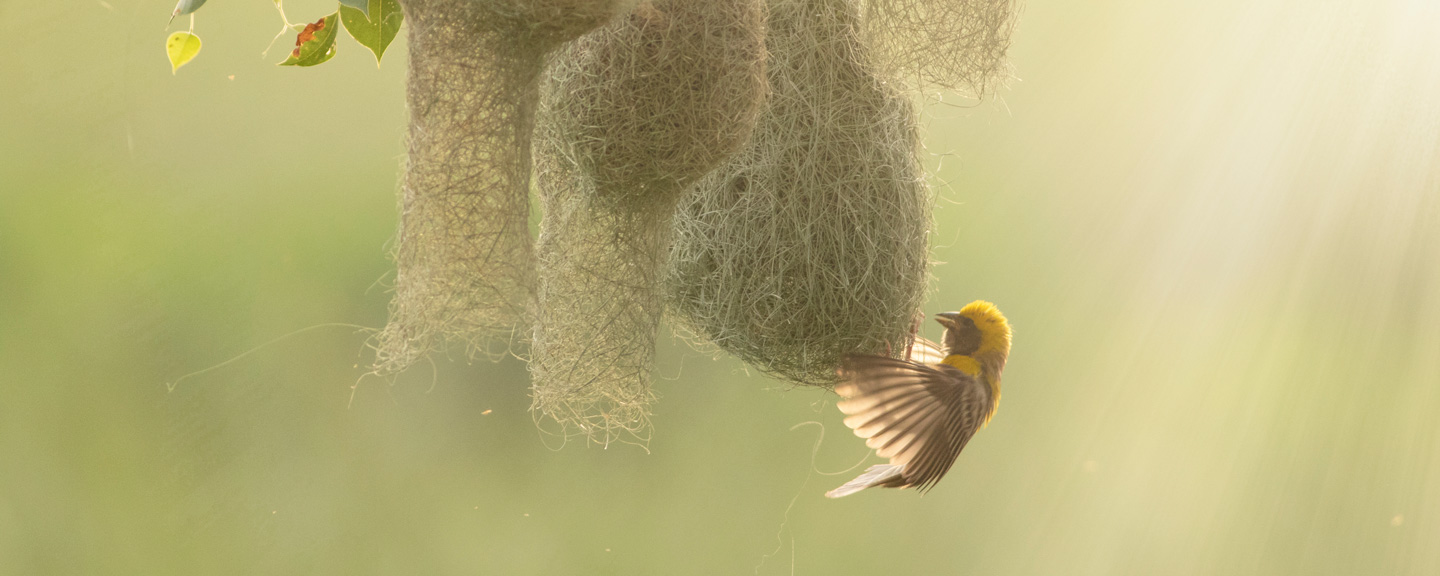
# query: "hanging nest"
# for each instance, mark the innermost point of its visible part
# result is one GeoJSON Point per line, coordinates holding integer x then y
{"type": "Point", "coordinates": [464, 254]}
{"type": "Point", "coordinates": [812, 242]}
{"type": "Point", "coordinates": [633, 114]}
{"type": "Point", "coordinates": [959, 45]}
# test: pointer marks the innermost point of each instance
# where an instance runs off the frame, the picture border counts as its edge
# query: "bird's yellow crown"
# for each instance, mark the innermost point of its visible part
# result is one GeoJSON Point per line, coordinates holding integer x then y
{"type": "Point", "coordinates": [994, 330]}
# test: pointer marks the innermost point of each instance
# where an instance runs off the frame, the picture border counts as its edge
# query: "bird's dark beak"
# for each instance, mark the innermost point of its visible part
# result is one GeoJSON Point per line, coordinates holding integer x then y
{"type": "Point", "coordinates": [948, 319]}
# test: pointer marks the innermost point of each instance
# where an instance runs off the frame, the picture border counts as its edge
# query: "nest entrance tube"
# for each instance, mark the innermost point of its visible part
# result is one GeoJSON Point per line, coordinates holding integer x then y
{"type": "Point", "coordinates": [812, 242]}
{"type": "Point", "coordinates": [464, 255]}
{"type": "Point", "coordinates": [634, 113]}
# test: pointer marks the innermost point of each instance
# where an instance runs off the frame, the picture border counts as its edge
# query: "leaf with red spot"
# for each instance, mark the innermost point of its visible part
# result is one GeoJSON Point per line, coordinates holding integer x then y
{"type": "Point", "coordinates": [315, 44]}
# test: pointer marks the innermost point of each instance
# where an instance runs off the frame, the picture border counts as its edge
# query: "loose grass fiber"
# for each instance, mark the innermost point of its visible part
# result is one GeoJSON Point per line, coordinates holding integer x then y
{"type": "Point", "coordinates": [812, 242]}
{"type": "Point", "coordinates": [464, 253]}
{"type": "Point", "coordinates": [634, 113]}
{"type": "Point", "coordinates": [959, 45]}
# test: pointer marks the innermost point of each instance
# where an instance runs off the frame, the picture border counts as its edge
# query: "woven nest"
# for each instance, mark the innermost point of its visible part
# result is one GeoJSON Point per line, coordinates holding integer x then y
{"type": "Point", "coordinates": [464, 254]}
{"type": "Point", "coordinates": [633, 114]}
{"type": "Point", "coordinates": [959, 45]}
{"type": "Point", "coordinates": [812, 242]}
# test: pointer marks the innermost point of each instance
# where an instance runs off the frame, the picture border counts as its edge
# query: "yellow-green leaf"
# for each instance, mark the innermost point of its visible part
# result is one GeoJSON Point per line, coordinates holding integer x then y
{"type": "Point", "coordinates": [181, 47]}
{"type": "Point", "coordinates": [316, 43]}
{"type": "Point", "coordinates": [375, 27]}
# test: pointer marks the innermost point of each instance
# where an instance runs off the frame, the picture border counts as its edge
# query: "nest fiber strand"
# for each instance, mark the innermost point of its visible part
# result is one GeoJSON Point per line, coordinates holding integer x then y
{"type": "Point", "coordinates": [633, 114]}
{"type": "Point", "coordinates": [958, 45]}
{"type": "Point", "coordinates": [812, 242]}
{"type": "Point", "coordinates": [464, 254]}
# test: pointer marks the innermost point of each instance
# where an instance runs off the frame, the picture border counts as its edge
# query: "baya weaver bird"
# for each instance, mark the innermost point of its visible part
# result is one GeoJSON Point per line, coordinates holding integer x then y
{"type": "Point", "coordinates": [921, 411]}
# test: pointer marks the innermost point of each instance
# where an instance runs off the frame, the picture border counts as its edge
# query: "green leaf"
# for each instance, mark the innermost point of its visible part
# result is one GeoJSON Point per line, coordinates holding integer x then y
{"type": "Point", "coordinates": [184, 7]}
{"type": "Point", "coordinates": [362, 5]}
{"type": "Point", "coordinates": [181, 47]}
{"type": "Point", "coordinates": [376, 29]}
{"type": "Point", "coordinates": [316, 43]}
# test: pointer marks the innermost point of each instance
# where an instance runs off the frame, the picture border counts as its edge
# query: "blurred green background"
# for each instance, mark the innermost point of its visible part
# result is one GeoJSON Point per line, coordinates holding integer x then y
{"type": "Point", "coordinates": [1215, 226]}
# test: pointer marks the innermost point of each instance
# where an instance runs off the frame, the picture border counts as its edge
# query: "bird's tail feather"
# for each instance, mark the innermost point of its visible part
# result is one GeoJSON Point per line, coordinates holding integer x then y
{"type": "Point", "coordinates": [877, 475]}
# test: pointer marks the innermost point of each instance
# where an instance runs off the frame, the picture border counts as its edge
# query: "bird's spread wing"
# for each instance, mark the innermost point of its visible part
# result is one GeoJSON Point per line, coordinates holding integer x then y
{"type": "Point", "coordinates": [919, 416]}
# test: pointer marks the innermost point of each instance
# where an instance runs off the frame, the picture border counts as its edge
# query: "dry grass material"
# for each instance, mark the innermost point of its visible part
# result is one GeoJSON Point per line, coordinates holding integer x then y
{"type": "Point", "coordinates": [959, 45]}
{"type": "Point", "coordinates": [633, 115]}
{"type": "Point", "coordinates": [464, 255]}
{"type": "Point", "coordinates": [812, 242]}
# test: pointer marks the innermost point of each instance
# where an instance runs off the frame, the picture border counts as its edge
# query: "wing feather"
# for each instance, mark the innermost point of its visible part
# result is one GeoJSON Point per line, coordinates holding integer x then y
{"type": "Point", "coordinates": [924, 351]}
{"type": "Point", "coordinates": [885, 413]}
